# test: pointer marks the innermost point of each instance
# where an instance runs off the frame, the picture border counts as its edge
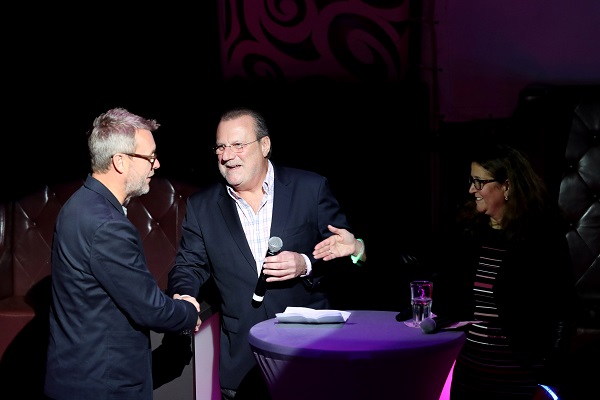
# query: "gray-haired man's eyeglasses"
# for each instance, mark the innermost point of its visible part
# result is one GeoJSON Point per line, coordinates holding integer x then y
{"type": "Point", "coordinates": [151, 158]}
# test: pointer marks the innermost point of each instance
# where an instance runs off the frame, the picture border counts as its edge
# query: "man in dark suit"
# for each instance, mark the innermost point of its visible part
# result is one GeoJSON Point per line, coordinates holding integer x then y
{"type": "Point", "coordinates": [225, 237]}
{"type": "Point", "coordinates": [105, 301]}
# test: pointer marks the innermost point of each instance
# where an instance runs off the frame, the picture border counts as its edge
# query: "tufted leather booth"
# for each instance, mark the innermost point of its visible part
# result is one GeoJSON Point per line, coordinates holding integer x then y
{"type": "Point", "coordinates": [579, 198]}
{"type": "Point", "coordinates": [562, 124]}
{"type": "Point", "coordinates": [26, 229]}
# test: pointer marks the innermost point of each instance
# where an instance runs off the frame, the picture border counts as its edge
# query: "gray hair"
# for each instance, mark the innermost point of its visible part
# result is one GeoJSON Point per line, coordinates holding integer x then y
{"type": "Point", "coordinates": [114, 132]}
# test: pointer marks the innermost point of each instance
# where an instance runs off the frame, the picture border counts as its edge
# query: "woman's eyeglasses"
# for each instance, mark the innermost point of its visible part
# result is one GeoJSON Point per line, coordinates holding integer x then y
{"type": "Point", "coordinates": [480, 183]}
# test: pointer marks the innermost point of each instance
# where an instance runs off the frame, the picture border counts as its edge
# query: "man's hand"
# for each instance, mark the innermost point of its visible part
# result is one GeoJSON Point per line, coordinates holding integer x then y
{"type": "Point", "coordinates": [342, 243]}
{"type": "Point", "coordinates": [285, 265]}
{"type": "Point", "coordinates": [198, 323]}
{"type": "Point", "coordinates": [189, 298]}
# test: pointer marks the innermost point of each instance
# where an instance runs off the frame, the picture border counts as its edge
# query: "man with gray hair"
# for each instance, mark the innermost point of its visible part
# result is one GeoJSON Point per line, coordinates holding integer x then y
{"type": "Point", "coordinates": [105, 301]}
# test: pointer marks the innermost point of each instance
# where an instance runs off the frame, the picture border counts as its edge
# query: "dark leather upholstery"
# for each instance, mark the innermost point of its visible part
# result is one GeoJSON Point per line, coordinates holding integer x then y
{"type": "Point", "coordinates": [563, 127]}
{"type": "Point", "coordinates": [579, 197]}
{"type": "Point", "coordinates": [26, 228]}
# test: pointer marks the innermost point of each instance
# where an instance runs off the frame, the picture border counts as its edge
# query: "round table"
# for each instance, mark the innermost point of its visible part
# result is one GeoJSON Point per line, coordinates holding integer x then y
{"type": "Point", "coordinates": [370, 356]}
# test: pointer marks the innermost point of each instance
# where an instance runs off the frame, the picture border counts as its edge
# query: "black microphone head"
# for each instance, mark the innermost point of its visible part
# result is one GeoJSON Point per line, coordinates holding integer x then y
{"type": "Point", "coordinates": [275, 244]}
{"type": "Point", "coordinates": [428, 325]}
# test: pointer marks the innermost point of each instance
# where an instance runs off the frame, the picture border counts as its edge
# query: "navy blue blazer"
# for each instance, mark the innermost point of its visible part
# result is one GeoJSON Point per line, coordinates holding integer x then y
{"type": "Point", "coordinates": [213, 244]}
{"type": "Point", "coordinates": [105, 301]}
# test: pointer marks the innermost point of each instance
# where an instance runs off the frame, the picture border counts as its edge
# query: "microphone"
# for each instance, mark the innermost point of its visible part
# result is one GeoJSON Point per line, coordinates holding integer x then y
{"type": "Point", "coordinates": [404, 314]}
{"type": "Point", "coordinates": [432, 325]}
{"type": "Point", "coordinates": [274, 247]}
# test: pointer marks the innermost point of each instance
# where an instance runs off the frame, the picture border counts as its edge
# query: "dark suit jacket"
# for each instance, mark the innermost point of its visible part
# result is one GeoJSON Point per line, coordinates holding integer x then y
{"type": "Point", "coordinates": [104, 303]}
{"type": "Point", "coordinates": [213, 245]}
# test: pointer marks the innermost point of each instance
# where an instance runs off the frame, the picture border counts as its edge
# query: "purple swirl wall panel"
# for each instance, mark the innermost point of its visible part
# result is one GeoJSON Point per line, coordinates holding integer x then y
{"type": "Point", "coordinates": [356, 41]}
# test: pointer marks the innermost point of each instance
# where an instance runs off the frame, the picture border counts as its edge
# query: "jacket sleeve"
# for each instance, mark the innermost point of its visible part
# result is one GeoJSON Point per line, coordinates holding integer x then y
{"type": "Point", "coordinates": [119, 265]}
{"type": "Point", "coordinates": [191, 269]}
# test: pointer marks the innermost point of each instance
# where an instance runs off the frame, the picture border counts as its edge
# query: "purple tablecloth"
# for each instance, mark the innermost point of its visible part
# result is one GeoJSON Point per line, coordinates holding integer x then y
{"type": "Point", "coordinates": [371, 356]}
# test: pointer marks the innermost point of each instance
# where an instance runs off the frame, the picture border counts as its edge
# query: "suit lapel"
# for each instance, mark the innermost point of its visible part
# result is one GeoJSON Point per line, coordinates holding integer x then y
{"type": "Point", "coordinates": [234, 226]}
{"type": "Point", "coordinates": [281, 210]}
{"type": "Point", "coordinates": [282, 203]}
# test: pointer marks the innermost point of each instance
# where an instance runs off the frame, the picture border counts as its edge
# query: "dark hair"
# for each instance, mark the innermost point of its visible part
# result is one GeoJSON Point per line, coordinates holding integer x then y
{"type": "Point", "coordinates": [529, 201]}
{"type": "Point", "coordinates": [260, 125]}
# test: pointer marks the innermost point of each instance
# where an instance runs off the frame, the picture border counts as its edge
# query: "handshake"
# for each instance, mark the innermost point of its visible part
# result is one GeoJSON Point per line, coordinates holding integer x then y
{"type": "Point", "coordinates": [192, 300]}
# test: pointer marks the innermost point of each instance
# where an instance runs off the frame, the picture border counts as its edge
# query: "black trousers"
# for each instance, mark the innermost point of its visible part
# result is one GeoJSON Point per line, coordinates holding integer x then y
{"type": "Point", "coordinates": [253, 387]}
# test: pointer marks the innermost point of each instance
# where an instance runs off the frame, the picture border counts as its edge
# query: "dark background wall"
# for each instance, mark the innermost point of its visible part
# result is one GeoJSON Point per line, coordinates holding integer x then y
{"type": "Point", "coordinates": [358, 91]}
{"type": "Point", "coordinates": [360, 122]}
{"type": "Point", "coordinates": [483, 53]}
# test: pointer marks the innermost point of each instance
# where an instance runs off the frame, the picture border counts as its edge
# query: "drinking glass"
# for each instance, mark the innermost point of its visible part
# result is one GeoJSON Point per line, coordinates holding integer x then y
{"type": "Point", "coordinates": [420, 300]}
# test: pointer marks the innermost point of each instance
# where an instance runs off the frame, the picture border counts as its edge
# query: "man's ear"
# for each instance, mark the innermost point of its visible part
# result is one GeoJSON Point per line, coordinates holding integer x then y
{"type": "Point", "coordinates": [265, 144]}
{"type": "Point", "coordinates": [118, 163]}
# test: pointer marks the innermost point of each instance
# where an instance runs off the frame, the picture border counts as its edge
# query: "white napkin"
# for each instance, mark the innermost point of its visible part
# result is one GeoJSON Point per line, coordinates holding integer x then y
{"type": "Point", "coordinates": [304, 315]}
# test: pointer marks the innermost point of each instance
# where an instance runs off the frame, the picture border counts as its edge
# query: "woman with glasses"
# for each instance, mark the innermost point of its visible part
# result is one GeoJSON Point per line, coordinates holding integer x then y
{"type": "Point", "coordinates": [505, 264]}
{"type": "Point", "coordinates": [508, 267]}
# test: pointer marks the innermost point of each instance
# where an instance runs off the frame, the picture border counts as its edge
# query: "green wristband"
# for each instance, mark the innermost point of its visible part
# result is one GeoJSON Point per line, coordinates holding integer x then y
{"type": "Point", "coordinates": [356, 259]}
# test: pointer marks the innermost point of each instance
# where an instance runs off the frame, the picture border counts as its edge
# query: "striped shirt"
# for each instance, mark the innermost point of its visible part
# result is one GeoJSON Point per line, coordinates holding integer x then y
{"type": "Point", "coordinates": [486, 367]}
{"type": "Point", "coordinates": [257, 226]}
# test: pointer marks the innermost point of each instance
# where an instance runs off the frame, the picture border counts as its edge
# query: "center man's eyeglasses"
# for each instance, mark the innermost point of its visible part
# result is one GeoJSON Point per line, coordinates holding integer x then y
{"type": "Point", "coordinates": [236, 147]}
{"type": "Point", "coordinates": [480, 183]}
{"type": "Point", "coordinates": [151, 158]}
